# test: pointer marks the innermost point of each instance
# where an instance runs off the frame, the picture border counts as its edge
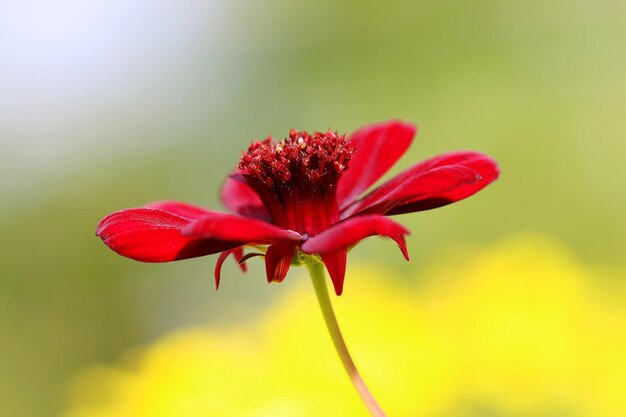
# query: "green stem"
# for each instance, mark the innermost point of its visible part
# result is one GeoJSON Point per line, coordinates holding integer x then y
{"type": "Point", "coordinates": [316, 270]}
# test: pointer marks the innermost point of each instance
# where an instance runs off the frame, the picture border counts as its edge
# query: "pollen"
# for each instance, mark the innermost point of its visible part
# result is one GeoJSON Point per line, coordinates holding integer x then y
{"type": "Point", "coordinates": [302, 161]}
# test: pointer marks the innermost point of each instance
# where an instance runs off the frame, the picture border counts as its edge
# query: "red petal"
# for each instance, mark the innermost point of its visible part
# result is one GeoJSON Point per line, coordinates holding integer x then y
{"type": "Point", "coordinates": [378, 147]}
{"type": "Point", "coordinates": [237, 196]}
{"type": "Point", "coordinates": [336, 266]}
{"type": "Point", "coordinates": [348, 232]}
{"type": "Point", "coordinates": [237, 253]}
{"type": "Point", "coordinates": [488, 172]}
{"type": "Point", "coordinates": [218, 266]}
{"type": "Point", "coordinates": [278, 260]}
{"type": "Point", "coordinates": [432, 183]}
{"type": "Point", "coordinates": [185, 210]}
{"type": "Point", "coordinates": [152, 235]}
{"type": "Point", "coordinates": [230, 227]}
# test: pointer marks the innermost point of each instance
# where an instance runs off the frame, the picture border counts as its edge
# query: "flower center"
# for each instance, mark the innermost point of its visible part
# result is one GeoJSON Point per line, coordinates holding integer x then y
{"type": "Point", "coordinates": [297, 177]}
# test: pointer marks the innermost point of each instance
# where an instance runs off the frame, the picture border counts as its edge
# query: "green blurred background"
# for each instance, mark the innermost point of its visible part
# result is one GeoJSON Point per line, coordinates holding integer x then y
{"type": "Point", "coordinates": [111, 104]}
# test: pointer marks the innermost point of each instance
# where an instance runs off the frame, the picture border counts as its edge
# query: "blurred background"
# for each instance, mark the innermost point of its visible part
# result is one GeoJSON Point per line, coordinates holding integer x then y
{"type": "Point", "coordinates": [111, 104]}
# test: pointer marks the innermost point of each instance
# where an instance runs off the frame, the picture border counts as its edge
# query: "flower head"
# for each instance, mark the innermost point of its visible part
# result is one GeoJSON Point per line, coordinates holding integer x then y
{"type": "Point", "coordinates": [302, 196]}
{"type": "Point", "coordinates": [296, 178]}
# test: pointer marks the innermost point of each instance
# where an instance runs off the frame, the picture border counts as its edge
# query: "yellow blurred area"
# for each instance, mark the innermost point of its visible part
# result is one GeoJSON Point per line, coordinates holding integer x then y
{"type": "Point", "coordinates": [517, 329]}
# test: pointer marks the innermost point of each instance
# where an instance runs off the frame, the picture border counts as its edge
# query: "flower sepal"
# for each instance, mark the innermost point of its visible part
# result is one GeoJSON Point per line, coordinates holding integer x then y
{"type": "Point", "coordinates": [303, 259]}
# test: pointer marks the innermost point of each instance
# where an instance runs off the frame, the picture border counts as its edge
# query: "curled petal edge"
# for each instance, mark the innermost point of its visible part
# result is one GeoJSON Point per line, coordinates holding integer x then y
{"type": "Point", "coordinates": [237, 254]}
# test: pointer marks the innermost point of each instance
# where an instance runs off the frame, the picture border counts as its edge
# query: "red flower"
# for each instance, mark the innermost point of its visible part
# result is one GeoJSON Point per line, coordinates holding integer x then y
{"type": "Point", "coordinates": [302, 195]}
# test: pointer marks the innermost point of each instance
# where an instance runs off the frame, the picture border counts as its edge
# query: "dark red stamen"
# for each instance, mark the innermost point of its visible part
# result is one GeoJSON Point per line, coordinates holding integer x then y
{"type": "Point", "coordinates": [314, 161]}
{"type": "Point", "coordinates": [297, 177]}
